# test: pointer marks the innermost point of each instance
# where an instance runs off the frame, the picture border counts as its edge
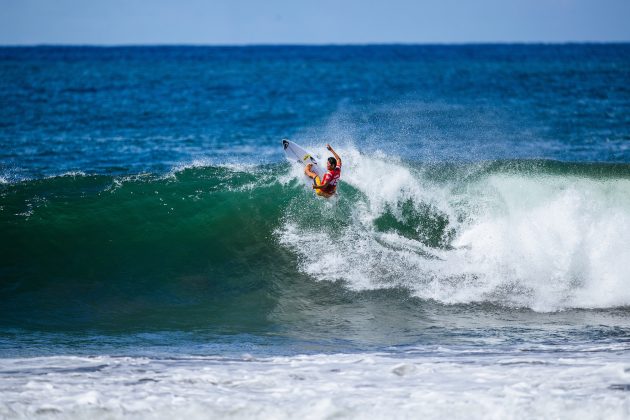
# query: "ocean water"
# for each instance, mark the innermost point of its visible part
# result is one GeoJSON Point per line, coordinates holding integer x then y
{"type": "Point", "coordinates": [159, 257]}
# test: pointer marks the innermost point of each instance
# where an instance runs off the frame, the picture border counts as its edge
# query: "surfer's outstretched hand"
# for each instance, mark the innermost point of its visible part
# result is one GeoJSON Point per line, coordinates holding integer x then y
{"type": "Point", "coordinates": [329, 147]}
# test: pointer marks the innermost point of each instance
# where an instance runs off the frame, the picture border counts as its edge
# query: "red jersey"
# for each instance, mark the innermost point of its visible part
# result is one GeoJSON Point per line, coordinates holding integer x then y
{"type": "Point", "coordinates": [331, 177]}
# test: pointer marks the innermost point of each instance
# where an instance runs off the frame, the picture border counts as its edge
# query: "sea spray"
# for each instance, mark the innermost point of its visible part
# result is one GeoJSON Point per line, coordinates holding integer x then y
{"type": "Point", "coordinates": [518, 235]}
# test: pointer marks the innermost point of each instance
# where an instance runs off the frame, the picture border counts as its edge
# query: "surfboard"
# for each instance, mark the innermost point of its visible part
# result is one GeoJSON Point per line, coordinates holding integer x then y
{"type": "Point", "coordinates": [295, 153]}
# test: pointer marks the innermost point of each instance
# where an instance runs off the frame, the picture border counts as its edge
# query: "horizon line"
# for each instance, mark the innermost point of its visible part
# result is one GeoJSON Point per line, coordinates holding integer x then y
{"type": "Point", "coordinates": [331, 44]}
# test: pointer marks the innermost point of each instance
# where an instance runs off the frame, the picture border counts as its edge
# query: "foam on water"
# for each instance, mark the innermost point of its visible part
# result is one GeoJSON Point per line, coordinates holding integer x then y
{"type": "Point", "coordinates": [542, 241]}
{"type": "Point", "coordinates": [562, 242]}
{"type": "Point", "coordinates": [375, 385]}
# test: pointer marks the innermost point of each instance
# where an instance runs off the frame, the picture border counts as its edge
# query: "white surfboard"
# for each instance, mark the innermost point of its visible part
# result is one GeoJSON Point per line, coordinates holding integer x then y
{"type": "Point", "coordinates": [295, 153]}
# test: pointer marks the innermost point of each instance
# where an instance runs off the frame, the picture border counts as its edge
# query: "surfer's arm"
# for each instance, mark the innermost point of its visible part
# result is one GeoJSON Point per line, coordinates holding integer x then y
{"type": "Point", "coordinates": [329, 147]}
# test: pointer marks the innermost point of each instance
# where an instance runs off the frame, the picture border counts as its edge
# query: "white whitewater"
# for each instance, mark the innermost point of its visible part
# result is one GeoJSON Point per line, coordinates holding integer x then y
{"type": "Point", "coordinates": [545, 242]}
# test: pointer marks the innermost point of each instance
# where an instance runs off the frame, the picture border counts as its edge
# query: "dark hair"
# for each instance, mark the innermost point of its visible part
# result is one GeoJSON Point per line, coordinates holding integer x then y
{"type": "Point", "coordinates": [333, 161]}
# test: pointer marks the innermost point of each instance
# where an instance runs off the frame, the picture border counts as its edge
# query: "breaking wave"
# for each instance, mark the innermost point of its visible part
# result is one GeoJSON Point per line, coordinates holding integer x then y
{"type": "Point", "coordinates": [224, 241]}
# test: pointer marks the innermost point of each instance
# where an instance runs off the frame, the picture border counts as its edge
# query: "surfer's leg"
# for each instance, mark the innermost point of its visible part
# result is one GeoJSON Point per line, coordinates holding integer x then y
{"type": "Point", "coordinates": [318, 182]}
{"type": "Point", "coordinates": [308, 172]}
{"type": "Point", "coordinates": [320, 192]}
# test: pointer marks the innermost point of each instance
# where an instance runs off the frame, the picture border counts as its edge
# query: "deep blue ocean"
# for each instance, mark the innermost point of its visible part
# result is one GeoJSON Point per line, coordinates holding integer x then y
{"type": "Point", "coordinates": [159, 256]}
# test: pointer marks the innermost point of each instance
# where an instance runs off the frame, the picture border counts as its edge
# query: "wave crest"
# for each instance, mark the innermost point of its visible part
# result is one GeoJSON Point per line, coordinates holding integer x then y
{"type": "Point", "coordinates": [537, 236]}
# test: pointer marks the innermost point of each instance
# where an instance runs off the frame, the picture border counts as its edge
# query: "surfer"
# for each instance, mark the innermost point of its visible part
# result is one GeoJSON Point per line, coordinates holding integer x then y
{"type": "Point", "coordinates": [326, 187]}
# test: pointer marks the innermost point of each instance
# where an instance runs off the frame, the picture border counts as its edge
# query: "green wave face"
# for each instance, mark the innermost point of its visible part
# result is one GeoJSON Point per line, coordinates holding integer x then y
{"type": "Point", "coordinates": [241, 250]}
{"type": "Point", "coordinates": [95, 250]}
